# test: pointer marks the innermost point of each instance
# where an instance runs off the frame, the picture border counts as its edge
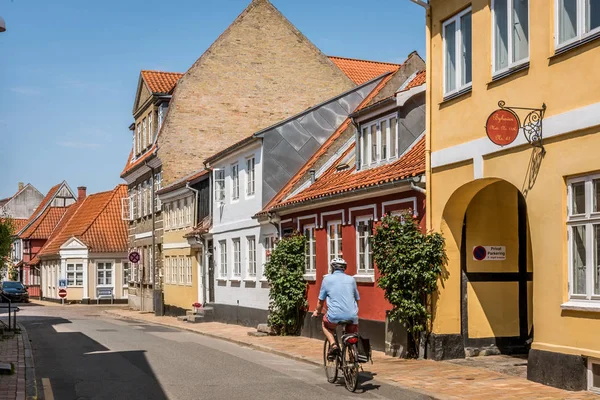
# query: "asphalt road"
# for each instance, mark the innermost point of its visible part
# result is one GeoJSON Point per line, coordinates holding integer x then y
{"type": "Point", "coordinates": [81, 353]}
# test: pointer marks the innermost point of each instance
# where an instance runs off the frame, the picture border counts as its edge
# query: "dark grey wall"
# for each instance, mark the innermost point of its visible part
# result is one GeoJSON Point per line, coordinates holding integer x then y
{"type": "Point", "coordinates": [288, 146]}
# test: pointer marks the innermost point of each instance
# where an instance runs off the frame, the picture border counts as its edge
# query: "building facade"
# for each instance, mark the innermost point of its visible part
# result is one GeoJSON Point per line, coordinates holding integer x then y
{"type": "Point", "coordinates": [88, 250]}
{"type": "Point", "coordinates": [340, 196]}
{"type": "Point", "coordinates": [185, 203]}
{"type": "Point", "coordinates": [143, 175]}
{"type": "Point", "coordinates": [513, 129]}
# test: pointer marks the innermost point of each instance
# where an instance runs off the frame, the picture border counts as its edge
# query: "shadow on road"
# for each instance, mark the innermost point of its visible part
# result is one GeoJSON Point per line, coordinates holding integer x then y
{"type": "Point", "coordinates": [79, 367]}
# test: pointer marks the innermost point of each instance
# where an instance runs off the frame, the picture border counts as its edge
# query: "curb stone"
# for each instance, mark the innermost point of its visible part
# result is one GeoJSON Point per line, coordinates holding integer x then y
{"type": "Point", "coordinates": [270, 350]}
{"type": "Point", "coordinates": [30, 378]}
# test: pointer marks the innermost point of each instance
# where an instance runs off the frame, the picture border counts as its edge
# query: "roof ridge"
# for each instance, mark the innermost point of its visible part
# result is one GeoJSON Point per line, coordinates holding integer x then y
{"type": "Point", "coordinates": [364, 60]}
{"type": "Point", "coordinates": [162, 72]}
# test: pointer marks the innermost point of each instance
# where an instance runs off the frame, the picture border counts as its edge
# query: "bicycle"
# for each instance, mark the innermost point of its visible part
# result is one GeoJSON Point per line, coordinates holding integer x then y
{"type": "Point", "coordinates": [345, 360]}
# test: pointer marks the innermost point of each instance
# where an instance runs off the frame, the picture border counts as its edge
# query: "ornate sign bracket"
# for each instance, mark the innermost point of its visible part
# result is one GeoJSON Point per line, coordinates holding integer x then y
{"type": "Point", "coordinates": [532, 123]}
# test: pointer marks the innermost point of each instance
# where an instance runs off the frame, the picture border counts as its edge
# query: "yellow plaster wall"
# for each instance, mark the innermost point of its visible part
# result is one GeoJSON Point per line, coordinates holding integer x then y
{"type": "Point", "coordinates": [564, 83]}
{"type": "Point", "coordinates": [493, 309]}
{"type": "Point", "coordinates": [182, 296]}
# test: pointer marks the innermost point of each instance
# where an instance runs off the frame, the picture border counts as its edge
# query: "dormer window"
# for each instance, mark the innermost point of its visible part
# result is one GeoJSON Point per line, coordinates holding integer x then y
{"type": "Point", "coordinates": [138, 140]}
{"type": "Point", "coordinates": [378, 141]}
{"type": "Point", "coordinates": [144, 134]}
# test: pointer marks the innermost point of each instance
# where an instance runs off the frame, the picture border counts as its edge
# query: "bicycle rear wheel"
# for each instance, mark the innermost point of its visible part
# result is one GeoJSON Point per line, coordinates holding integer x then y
{"type": "Point", "coordinates": [350, 366]}
{"type": "Point", "coordinates": [331, 367]}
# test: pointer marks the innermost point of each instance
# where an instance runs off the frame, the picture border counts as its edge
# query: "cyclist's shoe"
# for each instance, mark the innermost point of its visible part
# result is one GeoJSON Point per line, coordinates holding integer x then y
{"type": "Point", "coordinates": [332, 353]}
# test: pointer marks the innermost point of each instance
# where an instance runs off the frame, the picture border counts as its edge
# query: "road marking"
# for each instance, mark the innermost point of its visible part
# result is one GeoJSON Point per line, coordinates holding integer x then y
{"type": "Point", "coordinates": [48, 395]}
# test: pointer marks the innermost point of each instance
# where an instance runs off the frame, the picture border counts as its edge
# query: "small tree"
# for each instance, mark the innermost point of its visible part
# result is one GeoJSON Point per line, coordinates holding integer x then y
{"type": "Point", "coordinates": [287, 294]}
{"type": "Point", "coordinates": [7, 230]}
{"type": "Point", "coordinates": [410, 263]}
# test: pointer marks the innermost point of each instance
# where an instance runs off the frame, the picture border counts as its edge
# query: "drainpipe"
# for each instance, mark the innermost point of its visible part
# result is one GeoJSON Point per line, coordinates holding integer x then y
{"type": "Point", "coordinates": [195, 191]}
{"type": "Point", "coordinates": [152, 269]}
{"type": "Point", "coordinates": [417, 188]}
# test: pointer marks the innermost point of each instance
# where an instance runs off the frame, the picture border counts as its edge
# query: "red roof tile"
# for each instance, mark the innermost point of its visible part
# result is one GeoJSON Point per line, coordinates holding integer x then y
{"type": "Point", "coordinates": [418, 80]}
{"type": "Point", "coordinates": [361, 71]}
{"type": "Point", "coordinates": [202, 228]}
{"type": "Point", "coordinates": [43, 226]}
{"type": "Point", "coordinates": [45, 201]}
{"type": "Point", "coordinates": [161, 82]}
{"type": "Point", "coordinates": [18, 223]}
{"type": "Point", "coordinates": [96, 221]}
{"type": "Point", "coordinates": [333, 182]}
{"type": "Point", "coordinates": [324, 148]}
{"type": "Point", "coordinates": [131, 163]}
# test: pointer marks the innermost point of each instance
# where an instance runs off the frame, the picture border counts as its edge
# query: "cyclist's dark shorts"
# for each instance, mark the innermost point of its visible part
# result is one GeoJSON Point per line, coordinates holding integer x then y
{"type": "Point", "coordinates": [351, 328]}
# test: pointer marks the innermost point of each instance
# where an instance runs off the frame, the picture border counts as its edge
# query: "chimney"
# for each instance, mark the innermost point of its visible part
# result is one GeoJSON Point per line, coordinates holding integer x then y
{"type": "Point", "coordinates": [21, 185]}
{"type": "Point", "coordinates": [312, 173]}
{"type": "Point", "coordinates": [81, 193]}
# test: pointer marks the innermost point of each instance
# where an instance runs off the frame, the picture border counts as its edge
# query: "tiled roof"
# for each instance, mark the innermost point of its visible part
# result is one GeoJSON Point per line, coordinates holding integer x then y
{"type": "Point", "coordinates": [324, 148]}
{"type": "Point", "coordinates": [131, 163]}
{"type": "Point", "coordinates": [418, 80]}
{"type": "Point", "coordinates": [96, 221]}
{"type": "Point", "coordinates": [161, 82]}
{"type": "Point", "coordinates": [202, 228]}
{"type": "Point", "coordinates": [46, 200]}
{"type": "Point", "coordinates": [43, 226]}
{"type": "Point", "coordinates": [18, 223]}
{"type": "Point", "coordinates": [332, 182]}
{"type": "Point", "coordinates": [361, 71]}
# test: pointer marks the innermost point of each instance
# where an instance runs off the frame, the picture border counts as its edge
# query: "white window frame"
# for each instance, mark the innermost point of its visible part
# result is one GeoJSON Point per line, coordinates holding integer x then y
{"type": "Point", "coordinates": [269, 242]}
{"type": "Point", "coordinates": [157, 187]}
{"type": "Point", "coordinates": [125, 278]}
{"type": "Point", "coordinates": [235, 182]}
{"type": "Point", "coordinates": [188, 211]}
{"type": "Point", "coordinates": [368, 255]}
{"type": "Point", "coordinates": [589, 219]}
{"type": "Point", "coordinates": [181, 270]}
{"type": "Point", "coordinates": [458, 41]}
{"type": "Point", "coordinates": [219, 180]}
{"type": "Point", "coordinates": [173, 270]}
{"type": "Point", "coordinates": [590, 375]}
{"type": "Point", "coordinates": [338, 239]}
{"type": "Point", "coordinates": [581, 26]}
{"type": "Point", "coordinates": [223, 259]}
{"type": "Point", "coordinates": [380, 138]}
{"type": "Point", "coordinates": [310, 261]}
{"type": "Point", "coordinates": [511, 63]}
{"type": "Point", "coordinates": [250, 176]}
{"type": "Point", "coordinates": [251, 259]}
{"type": "Point", "coordinates": [236, 245]}
{"type": "Point", "coordinates": [139, 139]}
{"type": "Point", "coordinates": [144, 133]}
{"type": "Point", "coordinates": [150, 131]}
{"type": "Point", "coordinates": [104, 270]}
{"type": "Point", "coordinates": [77, 272]}
{"type": "Point", "coordinates": [126, 214]}
{"type": "Point", "coordinates": [188, 270]}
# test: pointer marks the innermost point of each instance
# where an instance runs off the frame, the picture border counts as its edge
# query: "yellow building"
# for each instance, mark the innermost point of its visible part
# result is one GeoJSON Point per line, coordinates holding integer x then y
{"type": "Point", "coordinates": [184, 202]}
{"type": "Point", "coordinates": [521, 218]}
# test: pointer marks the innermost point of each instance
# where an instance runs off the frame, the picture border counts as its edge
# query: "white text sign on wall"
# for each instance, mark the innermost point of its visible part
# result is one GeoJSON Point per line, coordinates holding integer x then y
{"type": "Point", "coordinates": [489, 253]}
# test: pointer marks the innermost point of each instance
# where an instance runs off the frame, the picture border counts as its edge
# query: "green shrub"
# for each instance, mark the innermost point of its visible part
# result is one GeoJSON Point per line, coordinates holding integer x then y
{"type": "Point", "coordinates": [284, 271]}
{"type": "Point", "coordinates": [410, 263]}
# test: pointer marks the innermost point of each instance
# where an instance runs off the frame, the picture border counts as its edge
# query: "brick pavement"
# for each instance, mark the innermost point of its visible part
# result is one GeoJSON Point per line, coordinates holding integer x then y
{"type": "Point", "coordinates": [15, 349]}
{"type": "Point", "coordinates": [441, 380]}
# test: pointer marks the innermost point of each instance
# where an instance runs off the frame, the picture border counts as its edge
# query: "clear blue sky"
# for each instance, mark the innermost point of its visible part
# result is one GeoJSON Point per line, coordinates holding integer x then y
{"type": "Point", "coordinates": [69, 70]}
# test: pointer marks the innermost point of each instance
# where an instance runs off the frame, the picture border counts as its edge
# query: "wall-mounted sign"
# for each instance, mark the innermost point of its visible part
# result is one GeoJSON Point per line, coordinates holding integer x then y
{"type": "Point", "coordinates": [489, 253]}
{"type": "Point", "coordinates": [502, 127]}
{"type": "Point", "coordinates": [62, 283]}
{"type": "Point", "coordinates": [134, 257]}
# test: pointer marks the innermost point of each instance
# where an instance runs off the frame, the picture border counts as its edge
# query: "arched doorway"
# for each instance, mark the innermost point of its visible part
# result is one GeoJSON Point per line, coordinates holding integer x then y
{"type": "Point", "coordinates": [488, 220]}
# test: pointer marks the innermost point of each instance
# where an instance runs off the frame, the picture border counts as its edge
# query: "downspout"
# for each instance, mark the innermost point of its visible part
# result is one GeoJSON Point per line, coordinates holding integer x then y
{"type": "Point", "coordinates": [206, 248]}
{"type": "Point", "coordinates": [417, 188]}
{"type": "Point", "coordinates": [152, 269]}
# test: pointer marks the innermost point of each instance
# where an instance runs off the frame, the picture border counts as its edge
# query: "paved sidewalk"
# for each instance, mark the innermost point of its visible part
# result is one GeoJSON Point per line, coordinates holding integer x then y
{"type": "Point", "coordinates": [16, 349]}
{"type": "Point", "coordinates": [441, 380]}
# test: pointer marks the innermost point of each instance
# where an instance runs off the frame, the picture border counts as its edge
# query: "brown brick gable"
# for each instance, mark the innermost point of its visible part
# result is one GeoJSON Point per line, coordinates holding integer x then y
{"type": "Point", "coordinates": [259, 71]}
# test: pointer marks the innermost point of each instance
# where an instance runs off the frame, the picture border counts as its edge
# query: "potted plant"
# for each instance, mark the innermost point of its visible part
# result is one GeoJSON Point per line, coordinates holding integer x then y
{"type": "Point", "coordinates": [196, 306]}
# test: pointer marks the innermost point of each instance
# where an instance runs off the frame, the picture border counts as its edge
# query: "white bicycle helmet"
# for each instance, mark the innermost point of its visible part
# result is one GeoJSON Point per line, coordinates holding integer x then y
{"type": "Point", "coordinates": [338, 263]}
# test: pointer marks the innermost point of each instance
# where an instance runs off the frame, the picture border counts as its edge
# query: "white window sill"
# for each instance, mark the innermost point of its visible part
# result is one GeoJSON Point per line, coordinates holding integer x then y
{"type": "Point", "coordinates": [222, 279]}
{"type": "Point", "coordinates": [364, 278]}
{"type": "Point", "coordinates": [310, 277]}
{"type": "Point", "coordinates": [581, 305]}
{"type": "Point", "coordinates": [263, 279]}
{"type": "Point", "coordinates": [250, 279]}
{"type": "Point", "coordinates": [235, 279]}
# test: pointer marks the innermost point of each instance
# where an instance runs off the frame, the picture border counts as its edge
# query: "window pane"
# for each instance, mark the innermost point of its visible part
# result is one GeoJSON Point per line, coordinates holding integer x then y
{"type": "Point", "coordinates": [596, 259]}
{"type": "Point", "coordinates": [579, 261]}
{"type": "Point", "coordinates": [520, 29]}
{"type": "Point", "coordinates": [465, 29]}
{"type": "Point", "coordinates": [501, 34]}
{"type": "Point", "coordinates": [567, 20]}
{"type": "Point", "coordinates": [383, 138]}
{"type": "Point", "coordinates": [596, 194]}
{"type": "Point", "coordinates": [373, 143]}
{"type": "Point", "coordinates": [450, 51]}
{"type": "Point", "coordinates": [365, 146]}
{"type": "Point", "coordinates": [592, 17]}
{"type": "Point", "coordinates": [393, 128]}
{"type": "Point", "coordinates": [578, 206]}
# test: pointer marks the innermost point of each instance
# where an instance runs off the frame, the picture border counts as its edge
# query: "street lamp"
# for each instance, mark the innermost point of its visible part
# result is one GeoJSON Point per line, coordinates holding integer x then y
{"type": "Point", "coordinates": [2, 25]}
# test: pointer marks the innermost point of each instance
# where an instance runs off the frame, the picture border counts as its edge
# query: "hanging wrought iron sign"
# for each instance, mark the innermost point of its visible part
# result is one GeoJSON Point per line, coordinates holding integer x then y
{"type": "Point", "coordinates": [503, 125]}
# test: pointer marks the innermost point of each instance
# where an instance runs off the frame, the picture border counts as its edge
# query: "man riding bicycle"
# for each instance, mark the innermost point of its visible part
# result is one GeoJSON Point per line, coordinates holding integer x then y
{"type": "Point", "coordinates": [341, 293]}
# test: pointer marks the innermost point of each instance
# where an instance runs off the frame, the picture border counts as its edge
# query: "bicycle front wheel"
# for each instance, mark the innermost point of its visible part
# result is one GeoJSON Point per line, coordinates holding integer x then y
{"type": "Point", "coordinates": [350, 366]}
{"type": "Point", "coordinates": [331, 367]}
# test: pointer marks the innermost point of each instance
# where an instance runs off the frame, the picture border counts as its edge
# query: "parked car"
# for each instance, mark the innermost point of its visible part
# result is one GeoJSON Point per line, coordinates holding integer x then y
{"type": "Point", "coordinates": [14, 291]}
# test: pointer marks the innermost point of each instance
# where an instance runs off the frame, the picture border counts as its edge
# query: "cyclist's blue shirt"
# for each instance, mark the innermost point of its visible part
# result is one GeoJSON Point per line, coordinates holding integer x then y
{"type": "Point", "coordinates": [341, 294]}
